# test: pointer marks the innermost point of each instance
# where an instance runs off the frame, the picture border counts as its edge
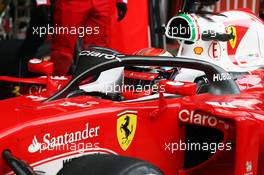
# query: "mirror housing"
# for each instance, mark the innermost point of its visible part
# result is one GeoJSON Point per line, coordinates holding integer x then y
{"type": "Point", "coordinates": [39, 66]}
{"type": "Point", "coordinates": [177, 87]}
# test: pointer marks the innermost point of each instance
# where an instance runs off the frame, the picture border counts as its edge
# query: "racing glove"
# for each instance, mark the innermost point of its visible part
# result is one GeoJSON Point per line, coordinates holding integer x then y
{"type": "Point", "coordinates": [121, 10]}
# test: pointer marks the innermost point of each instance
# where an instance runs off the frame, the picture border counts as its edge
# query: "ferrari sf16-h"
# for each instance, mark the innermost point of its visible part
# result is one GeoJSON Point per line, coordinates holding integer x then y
{"type": "Point", "coordinates": [197, 119]}
{"type": "Point", "coordinates": [183, 128]}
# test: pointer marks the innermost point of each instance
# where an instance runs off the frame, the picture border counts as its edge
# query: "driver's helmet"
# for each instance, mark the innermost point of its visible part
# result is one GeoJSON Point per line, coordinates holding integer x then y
{"type": "Point", "coordinates": [147, 76]}
{"type": "Point", "coordinates": [153, 52]}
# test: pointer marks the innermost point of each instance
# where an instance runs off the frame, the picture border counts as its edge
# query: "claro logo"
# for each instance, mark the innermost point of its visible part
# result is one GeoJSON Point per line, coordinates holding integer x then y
{"type": "Point", "coordinates": [187, 116]}
{"type": "Point", "coordinates": [100, 55]}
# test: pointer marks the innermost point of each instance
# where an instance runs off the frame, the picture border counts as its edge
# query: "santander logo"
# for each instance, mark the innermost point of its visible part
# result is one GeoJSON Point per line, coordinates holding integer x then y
{"type": "Point", "coordinates": [51, 142]}
{"type": "Point", "coordinates": [35, 146]}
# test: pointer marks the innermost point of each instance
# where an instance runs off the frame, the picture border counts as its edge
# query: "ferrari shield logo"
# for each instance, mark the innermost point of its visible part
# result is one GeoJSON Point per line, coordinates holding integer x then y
{"type": "Point", "coordinates": [232, 30]}
{"type": "Point", "coordinates": [126, 128]}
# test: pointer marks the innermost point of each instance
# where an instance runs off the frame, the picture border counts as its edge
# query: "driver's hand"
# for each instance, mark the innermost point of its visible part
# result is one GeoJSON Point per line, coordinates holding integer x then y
{"type": "Point", "coordinates": [121, 10]}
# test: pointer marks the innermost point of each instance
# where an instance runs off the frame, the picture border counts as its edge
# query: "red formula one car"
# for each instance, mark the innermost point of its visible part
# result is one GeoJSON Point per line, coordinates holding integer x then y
{"type": "Point", "coordinates": [88, 128]}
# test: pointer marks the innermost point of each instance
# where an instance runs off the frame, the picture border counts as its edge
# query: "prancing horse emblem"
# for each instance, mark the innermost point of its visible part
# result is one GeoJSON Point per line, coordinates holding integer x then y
{"type": "Point", "coordinates": [126, 128]}
{"type": "Point", "coordinates": [233, 31]}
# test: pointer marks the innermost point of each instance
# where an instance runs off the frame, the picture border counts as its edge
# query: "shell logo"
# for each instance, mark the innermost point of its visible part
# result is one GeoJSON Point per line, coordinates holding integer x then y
{"type": "Point", "coordinates": [198, 50]}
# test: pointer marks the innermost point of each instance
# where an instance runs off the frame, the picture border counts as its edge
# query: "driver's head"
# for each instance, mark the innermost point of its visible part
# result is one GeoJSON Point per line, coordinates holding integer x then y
{"type": "Point", "coordinates": [147, 74]}
{"type": "Point", "coordinates": [153, 52]}
{"type": "Point", "coordinates": [145, 77]}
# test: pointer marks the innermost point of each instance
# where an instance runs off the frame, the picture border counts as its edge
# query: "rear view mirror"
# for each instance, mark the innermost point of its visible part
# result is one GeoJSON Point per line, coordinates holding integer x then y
{"type": "Point", "coordinates": [177, 87]}
{"type": "Point", "coordinates": [42, 67]}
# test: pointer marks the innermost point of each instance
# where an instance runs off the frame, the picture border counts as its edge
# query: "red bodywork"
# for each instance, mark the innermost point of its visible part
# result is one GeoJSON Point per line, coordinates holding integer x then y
{"type": "Point", "coordinates": [156, 135]}
{"type": "Point", "coordinates": [32, 129]}
{"type": "Point", "coordinates": [43, 133]}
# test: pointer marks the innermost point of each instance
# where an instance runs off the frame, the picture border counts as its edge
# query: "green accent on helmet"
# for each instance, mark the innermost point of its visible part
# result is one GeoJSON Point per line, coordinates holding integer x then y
{"type": "Point", "coordinates": [191, 24]}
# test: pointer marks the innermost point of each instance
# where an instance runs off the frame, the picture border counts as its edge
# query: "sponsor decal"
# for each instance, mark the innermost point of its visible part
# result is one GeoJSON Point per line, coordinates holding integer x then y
{"type": "Point", "coordinates": [49, 141]}
{"type": "Point", "coordinates": [20, 90]}
{"type": "Point", "coordinates": [81, 105]}
{"type": "Point", "coordinates": [222, 77]}
{"type": "Point", "coordinates": [198, 50]}
{"type": "Point", "coordinates": [206, 80]}
{"type": "Point", "coordinates": [215, 51]}
{"type": "Point", "coordinates": [58, 78]}
{"type": "Point", "coordinates": [100, 55]}
{"type": "Point", "coordinates": [36, 98]}
{"type": "Point", "coordinates": [36, 89]}
{"type": "Point", "coordinates": [233, 31]}
{"type": "Point", "coordinates": [35, 146]}
{"type": "Point", "coordinates": [249, 168]}
{"type": "Point", "coordinates": [191, 117]}
{"type": "Point", "coordinates": [239, 33]}
{"type": "Point", "coordinates": [221, 104]}
{"type": "Point", "coordinates": [126, 128]}
{"type": "Point", "coordinates": [16, 91]}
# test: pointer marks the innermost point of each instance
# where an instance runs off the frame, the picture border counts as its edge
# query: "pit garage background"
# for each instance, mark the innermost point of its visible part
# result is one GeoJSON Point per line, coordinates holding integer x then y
{"type": "Point", "coordinates": [140, 28]}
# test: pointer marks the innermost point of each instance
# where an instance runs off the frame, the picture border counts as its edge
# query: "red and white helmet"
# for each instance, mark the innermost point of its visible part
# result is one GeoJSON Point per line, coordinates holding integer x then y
{"type": "Point", "coordinates": [146, 76]}
{"type": "Point", "coordinates": [153, 52]}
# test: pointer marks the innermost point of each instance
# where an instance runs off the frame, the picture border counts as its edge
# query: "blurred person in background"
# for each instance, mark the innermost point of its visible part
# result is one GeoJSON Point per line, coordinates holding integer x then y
{"type": "Point", "coordinates": [40, 16]}
{"type": "Point", "coordinates": [93, 15]}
